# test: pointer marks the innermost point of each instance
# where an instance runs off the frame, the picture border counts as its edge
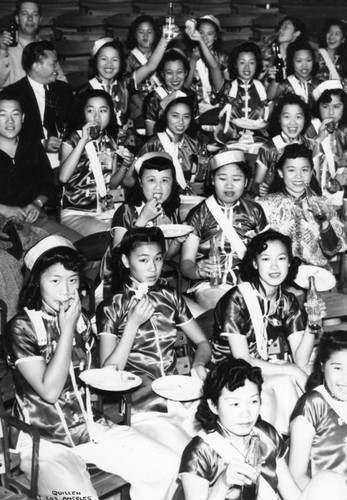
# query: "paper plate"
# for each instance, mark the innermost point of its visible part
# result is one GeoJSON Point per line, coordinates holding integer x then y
{"type": "Point", "coordinates": [178, 387]}
{"type": "Point", "coordinates": [247, 123]}
{"type": "Point", "coordinates": [175, 230]}
{"type": "Point", "coordinates": [108, 379]}
{"type": "Point", "coordinates": [324, 279]}
{"type": "Point", "coordinates": [191, 200]}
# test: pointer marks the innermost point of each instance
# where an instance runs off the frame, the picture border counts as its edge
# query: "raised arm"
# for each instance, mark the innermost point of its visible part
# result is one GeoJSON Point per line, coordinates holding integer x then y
{"type": "Point", "coordinates": [70, 157]}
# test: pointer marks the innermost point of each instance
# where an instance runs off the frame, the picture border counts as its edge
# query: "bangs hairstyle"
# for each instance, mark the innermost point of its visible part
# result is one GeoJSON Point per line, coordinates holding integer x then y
{"type": "Point", "coordinates": [274, 124]}
{"type": "Point", "coordinates": [132, 239]}
{"type": "Point", "coordinates": [93, 61]}
{"type": "Point", "coordinates": [293, 151]}
{"type": "Point", "coordinates": [295, 47]}
{"type": "Point", "coordinates": [326, 98]}
{"type": "Point", "coordinates": [330, 343]}
{"type": "Point", "coordinates": [243, 166]}
{"type": "Point", "coordinates": [82, 100]}
{"type": "Point", "coordinates": [230, 373]}
{"type": "Point", "coordinates": [131, 42]}
{"type": "Point", "coordinates": [245, 47]}
{"type": "Point", "coordinates": [156, 163]}
{"type": "Point", "coordinates": [71, 259]}
{"type": "Point", "coordinates": [162, 121]}
{"type": "Point", "coordinates": [172, 55]}
{"type": "Point", "coordinates": [258, 245]}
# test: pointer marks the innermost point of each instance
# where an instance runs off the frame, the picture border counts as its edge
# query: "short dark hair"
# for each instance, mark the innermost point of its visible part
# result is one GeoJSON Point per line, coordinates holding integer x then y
{"type": "Point", "coordinates": [81, 102]}
{"type": "Point", "coordinates": [230, 373]}
{"type": "Point", "coordinates": [245, 47]}
{"type": "Point", "coordinates": [115, 44]}
{"type": "Point", "coordinates": [35, 52]}
{"type": "Point", "coordinates": [326, 98]}
{"type": "Point", "coordinates": [274, 124]}
{"type": "Point", "coordinates": [156, 163]}
{"type": "Point", "coordinates": [295, 47]}
{"type": "Point", "coordinates": [256, 246]}
{"type": "Point", "coordinates": [173, 54]}
{"type": "Point", "coordinates": [330, 343]}
{"type": "Point", "coordinates": [71, 259]}
{"type": "Point", "coordinates": [298, 26]}
{"type": "Point", "coordinates": [20, 2]}
{"type": "Point", "coordinates": [9, 95]}
{"type": "Point", "coordinates": [290, 152]}
{"type": "Point", "coordinates": [131, 39]}
{"type": "Point", "coordinates": [161, 124]}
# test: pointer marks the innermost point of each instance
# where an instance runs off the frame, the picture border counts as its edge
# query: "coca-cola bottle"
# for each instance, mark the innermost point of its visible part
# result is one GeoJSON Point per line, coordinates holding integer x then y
{"type": "Point", "coordinates": [279, 63]}
{"type": "Point", "coordinates": [253, 458]}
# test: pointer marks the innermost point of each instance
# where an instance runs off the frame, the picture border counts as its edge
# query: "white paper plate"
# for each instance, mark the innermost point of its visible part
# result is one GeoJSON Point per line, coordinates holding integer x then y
{"type": "Point", "coordinates": [175, 230]}
{"type": "Point", "coordinates": [178, 387]}
{"type": "Point", "coordinates": [324, 279]}
{"type": "Point", "coordinates": [247, 123]}
{"type": "Point", "coordinates": [191, 200]}
{"type": "Point", "coordinates": [108, 379]}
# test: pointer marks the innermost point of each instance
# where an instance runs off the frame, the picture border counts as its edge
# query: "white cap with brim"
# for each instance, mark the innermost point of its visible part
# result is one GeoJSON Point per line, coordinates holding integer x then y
{"type": "Point", "coordinates": [212, 19]}
{"type": "Point", "coordinates": [43, 246]}
{"type": "Point", "coordinates": [100, 43]}
{"type": "Point", "coordinates": [226, 157]}
{"type": "Point", "coordinates": [148, 156]}
{"type": "Point", "coordinates": [176, 94]}
{"type": "Point", "coordinates": [327, 85]}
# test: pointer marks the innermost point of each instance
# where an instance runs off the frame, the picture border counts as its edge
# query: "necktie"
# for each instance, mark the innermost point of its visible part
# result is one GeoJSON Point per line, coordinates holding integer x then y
{"type": "Point", "coordinates": [49, 118]}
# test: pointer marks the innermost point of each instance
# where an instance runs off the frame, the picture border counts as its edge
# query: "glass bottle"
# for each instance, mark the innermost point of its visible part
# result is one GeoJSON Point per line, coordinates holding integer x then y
{"type": "Point", "coordinates": [253, 458]}
{"type": "Point", "coordinates": [12, 28]}
{"type": "Point", "coordinates": [279, 63]}
{"type": "Point", "coordinates": [170, 21]}
{"type": "Point", "coordinates": [203, 160]}
{"type": "Point", "coordinates": [214, 258]}
{"type": "Point", "coordinates": [314, 316]}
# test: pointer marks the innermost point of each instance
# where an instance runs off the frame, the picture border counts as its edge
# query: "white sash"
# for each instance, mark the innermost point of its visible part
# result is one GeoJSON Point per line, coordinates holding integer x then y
{"type": "Point", "coordinates": [279, 142]}
{"type": "Point", "coordinates": [330, 65]}
{"type": "Point", "coordinates": [95, 166]}
{"type": "Point", "coordinates": [95, 84]}
{"type": "Point", "coordinates": [204, 78]}
{"type": "Point", "coordinates": [234, 239]}
{"type": "Point", "coordinates": [169, 148]}
{"type": "Point", "coordinates": [161, 92]}
{"type": "Point", "coordinates": [143, 60]}
{"type": "Point", "coordinates": [228, 453]}
{"type": "Point", "coordinates": [41, 334]}
{"type": "Point", "coordinates": [340, 407]}
{"type": "Point", "coordinates": [298, 88]}
{"type": "Point", "coordinates": [329, 160]}
{"type": "Point", "coordinates": [256, 314]}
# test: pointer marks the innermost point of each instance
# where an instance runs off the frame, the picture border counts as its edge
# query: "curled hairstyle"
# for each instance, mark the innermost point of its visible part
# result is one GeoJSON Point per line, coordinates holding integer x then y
{"type": "Point", "coordinates": [230, 373]}
{"type": "Point", "coordinates": [293, 151]}
{"type": "Point", "coordinates": [131, 38]}
{"type": "Point", "coordinates": [93, 61]}
{"type": "Point", "coordinates": [323, 36]}
{"type": "Point", "coordinates": [173, 55]}
{"type": "Point", "coordinates": [245, 47]}
{"type": "Point", "coordinates": [35, 52]}
{"type": "Point", "coordinates": [330, 343]}
{"type": "Point", "coordinates": [327, 97]}
{"type": "Point", "coordinates": [71, 259]}
{"type": "Point", "coordinates": [257, 246]}
{"type": "Point", "coordinates": [293, 48]}
{"type": "Point", "coordinates": [133, 238]}
{"type": "Point", "coordinates": [156, 163]}
{"type": "Point", "coordinates": [81, 103]}
{"type": "Point", "coordinates": [162, 121]}
{"type": "Point", "coordinates": [290, 99]}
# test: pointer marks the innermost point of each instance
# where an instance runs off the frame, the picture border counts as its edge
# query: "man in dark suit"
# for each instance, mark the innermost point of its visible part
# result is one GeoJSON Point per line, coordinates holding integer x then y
{"type": "Point", "coordinates": [47, 102]}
